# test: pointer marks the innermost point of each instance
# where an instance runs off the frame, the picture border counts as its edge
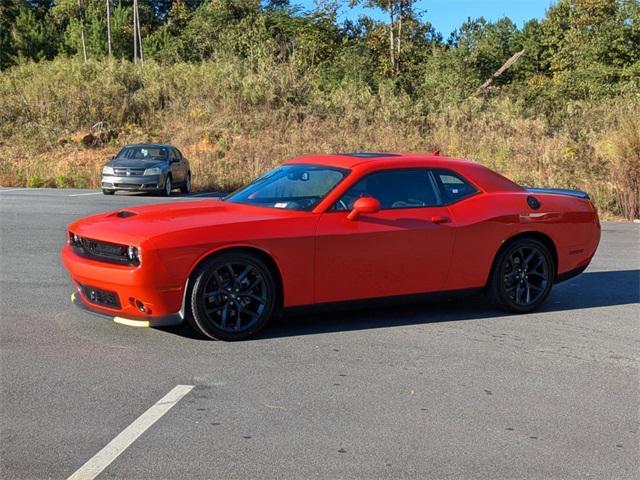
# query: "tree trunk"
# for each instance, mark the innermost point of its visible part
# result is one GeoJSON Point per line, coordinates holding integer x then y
{"type": "Point", "coordinates": [514, 58]}
{"type": "Point", "coordinates": [139, 33]}
{"type": "Point", "coordinates": [84, 44]}
{"type": "Point", "coordinates": [135, 32]}
{"type": "Point", "coordinates": [392, 42]}
{"type": "Point", "coordinates": [399, 39]}
{"type": "Point", "coordinates": [109, 27]}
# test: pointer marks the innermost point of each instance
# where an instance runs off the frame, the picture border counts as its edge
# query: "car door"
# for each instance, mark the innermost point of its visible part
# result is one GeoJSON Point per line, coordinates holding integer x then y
{"type": "Point", "coordinates": [184, 164]}
{"type": "Point", "coordinates": [175, 167]}
{"type": "Point", "coordinates": [405, 248]}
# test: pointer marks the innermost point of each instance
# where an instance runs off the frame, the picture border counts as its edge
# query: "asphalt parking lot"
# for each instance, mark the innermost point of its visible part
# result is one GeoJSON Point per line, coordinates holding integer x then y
{"type": "Point", "coordinates": [446, 390]}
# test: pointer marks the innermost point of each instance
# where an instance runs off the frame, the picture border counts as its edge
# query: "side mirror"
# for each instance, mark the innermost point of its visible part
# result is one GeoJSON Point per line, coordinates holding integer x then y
{"type": "Point", "coordinates": [363, 205]}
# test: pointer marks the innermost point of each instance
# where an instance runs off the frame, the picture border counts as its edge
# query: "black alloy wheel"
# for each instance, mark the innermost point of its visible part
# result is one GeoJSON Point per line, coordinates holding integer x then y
{"type": "Point", "coordinates": [522, 276]}
{"type": "Point", "coordinates": [233, 296]}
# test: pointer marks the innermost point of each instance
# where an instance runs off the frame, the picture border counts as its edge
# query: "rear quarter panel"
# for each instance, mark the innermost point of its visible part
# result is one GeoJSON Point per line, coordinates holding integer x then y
{"type": "Point", "coordinates": [485, 222]}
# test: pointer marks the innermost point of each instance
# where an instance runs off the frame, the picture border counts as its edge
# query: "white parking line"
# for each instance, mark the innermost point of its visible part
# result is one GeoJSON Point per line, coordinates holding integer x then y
{"type": "Point", "coordinates": [81, 194]}
{"type": "Point", "coordinates": [115, 447]}
{"type": "Point", "coordinates": [11, 190]}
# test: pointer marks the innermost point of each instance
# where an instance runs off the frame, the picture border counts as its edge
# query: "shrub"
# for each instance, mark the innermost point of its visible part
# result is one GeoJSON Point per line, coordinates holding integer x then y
{"type": "Point", "coordinates": [234, 119]}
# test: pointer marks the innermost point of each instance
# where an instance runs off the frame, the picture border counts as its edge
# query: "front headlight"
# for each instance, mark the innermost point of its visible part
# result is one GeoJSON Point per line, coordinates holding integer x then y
{"type": "Point", "coordinates": [133, 254]}
{"type": "Point", "coordinates": [153, 171]}
{"type": "Point", "coordinates": [107, 170]}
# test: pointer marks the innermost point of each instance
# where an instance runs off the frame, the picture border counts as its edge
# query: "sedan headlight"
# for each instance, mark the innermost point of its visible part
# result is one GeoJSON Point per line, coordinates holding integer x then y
{"type": "Point", "coordinates": [153, 171]}
{"type": "Point", "coordinates": [107, 170]}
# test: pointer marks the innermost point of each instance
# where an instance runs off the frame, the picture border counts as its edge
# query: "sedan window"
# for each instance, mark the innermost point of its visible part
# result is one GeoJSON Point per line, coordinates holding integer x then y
{"type": "Point", "coordinates": [402, 188]}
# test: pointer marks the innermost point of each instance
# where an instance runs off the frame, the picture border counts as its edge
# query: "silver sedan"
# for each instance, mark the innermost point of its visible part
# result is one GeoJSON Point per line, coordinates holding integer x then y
{"type": "Point", "coordinates": [145, 167]}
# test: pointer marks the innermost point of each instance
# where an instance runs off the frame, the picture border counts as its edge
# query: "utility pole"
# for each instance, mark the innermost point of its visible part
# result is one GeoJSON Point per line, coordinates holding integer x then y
{"type": "Point", "coordinates": [84, 45]}
{"type": "Point", "coordinates": [109, 26]}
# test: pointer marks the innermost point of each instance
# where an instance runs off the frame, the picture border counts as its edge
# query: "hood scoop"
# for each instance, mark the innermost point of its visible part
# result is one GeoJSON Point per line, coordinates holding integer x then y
{"type": "Point", "coordinates": [125, 214]}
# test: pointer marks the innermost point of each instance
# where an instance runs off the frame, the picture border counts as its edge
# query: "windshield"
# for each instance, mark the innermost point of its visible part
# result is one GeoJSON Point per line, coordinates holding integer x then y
{"type": "Point", "coordinates": [144, 153]}
{"type": "Point", "coordinates": [294, 187]}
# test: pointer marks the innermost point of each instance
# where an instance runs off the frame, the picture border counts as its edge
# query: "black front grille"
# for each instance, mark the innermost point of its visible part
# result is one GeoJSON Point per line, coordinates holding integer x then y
{"type": "Point", "coordinates": [104, 251]}
{"type": "Point", "coordinates": [104, 298]}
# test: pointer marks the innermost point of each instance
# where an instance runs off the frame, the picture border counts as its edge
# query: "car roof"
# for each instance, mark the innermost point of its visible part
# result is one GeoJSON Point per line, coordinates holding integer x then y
{"type": "Point", "coordinates": [365, 162]}
{"type": "Point", "coordinates": [157, 145]}
{"type": "Point", "coordinates": [353, 159]}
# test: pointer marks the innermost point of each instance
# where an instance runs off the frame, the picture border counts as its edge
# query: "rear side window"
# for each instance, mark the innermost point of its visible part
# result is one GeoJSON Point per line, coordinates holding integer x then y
{"type": "Point", "coordinates": [402, 188]}
{"type": "Point", "coordinates": [452, 186]}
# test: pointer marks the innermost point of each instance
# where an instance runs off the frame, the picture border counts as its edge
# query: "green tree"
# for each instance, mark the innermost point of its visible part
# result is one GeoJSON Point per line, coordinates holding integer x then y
{"type": "Point", "coordinates": [33, 36]}
{"type": "Point", "coordinates": [9, 10]}
{"type": "Point", "coordinates": [592, 46]}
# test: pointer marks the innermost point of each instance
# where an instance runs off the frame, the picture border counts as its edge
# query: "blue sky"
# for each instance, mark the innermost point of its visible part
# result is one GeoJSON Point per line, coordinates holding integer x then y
{"type": "Point", "coordinates": [447, 15]}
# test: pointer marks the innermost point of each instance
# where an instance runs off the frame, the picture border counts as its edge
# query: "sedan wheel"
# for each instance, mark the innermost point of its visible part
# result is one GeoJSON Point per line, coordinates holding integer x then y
{"type": "Point", "coordinates": [186, 188]}
{"type": "Point", "coordinates": [522, 276]}
{"type": "Point", "coordinates": [233, 296]}
{"type": "Point", "coordinates": [168, 186]}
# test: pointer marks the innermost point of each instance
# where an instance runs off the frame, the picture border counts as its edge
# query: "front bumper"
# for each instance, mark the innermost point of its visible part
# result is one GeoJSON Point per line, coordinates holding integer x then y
{"type": "Point", "coordinates": [165, 321]}
{"type": "Point", "coordinates": [125, 294]}
{"type": "Point", "coordinates": [134, 182]}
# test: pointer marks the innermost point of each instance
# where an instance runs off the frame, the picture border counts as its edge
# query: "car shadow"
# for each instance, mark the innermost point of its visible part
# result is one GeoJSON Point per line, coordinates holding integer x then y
{"type": "Point", "coordinates": [589, 290]}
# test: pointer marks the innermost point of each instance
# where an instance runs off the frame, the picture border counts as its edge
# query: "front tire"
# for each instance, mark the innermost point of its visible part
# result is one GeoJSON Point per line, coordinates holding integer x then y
{"type": "Point", "coordinates": [108, 192]}
{"type": "Point", "coordinates": [521, 277]}
{"type": "Point", "coordinates": [233, 296]}
{"type": "Point", "coordinates": [168, 186]}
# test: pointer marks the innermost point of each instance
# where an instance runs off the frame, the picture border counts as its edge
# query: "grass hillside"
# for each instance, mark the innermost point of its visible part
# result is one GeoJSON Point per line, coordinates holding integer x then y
{"type": "Point", "coordinates": [235, 122]}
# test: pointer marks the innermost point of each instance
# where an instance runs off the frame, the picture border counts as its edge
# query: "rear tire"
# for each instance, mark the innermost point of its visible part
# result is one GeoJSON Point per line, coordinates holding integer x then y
{"type": "Point", "coordinates": [186, 188]}
{"type": "Point", "coordinates": [233, 296]}
{"type": "Point", "coordinates": [108, 192]}
{"type": "Point", "coordinates": [521, 277]}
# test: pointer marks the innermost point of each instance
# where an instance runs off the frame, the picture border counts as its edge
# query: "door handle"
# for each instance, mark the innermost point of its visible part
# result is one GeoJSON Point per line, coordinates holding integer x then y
{"type": "Point", "coordinates": [439, 219]}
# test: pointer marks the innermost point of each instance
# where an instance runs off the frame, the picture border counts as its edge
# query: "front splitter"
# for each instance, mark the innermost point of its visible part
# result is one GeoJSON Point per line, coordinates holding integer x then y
{"type": "Point", "coordinates": [165, 321]}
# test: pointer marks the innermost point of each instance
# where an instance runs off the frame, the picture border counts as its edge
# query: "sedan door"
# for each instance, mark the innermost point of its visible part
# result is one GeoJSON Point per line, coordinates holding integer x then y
{"type": "Point", "coordinates": [405, 248]}
{"type": "Point", "coordinates": [184, 164]}
{"type": "Point", "coordinates": [177, 171]}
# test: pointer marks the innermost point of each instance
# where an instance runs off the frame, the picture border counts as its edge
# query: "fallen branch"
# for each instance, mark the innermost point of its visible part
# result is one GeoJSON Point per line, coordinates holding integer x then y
{"type": "Point", "coordinates": [514, 58]}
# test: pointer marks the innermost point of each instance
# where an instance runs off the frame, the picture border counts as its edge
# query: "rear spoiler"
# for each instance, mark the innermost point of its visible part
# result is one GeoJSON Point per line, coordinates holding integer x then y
{"type": "Point", "coordinates": [560, 191]}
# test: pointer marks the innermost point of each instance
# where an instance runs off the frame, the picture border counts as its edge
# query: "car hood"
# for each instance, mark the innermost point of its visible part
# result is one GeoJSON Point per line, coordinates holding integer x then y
{"type": "Point", "coordinates": [135, 225]}
{"type": "Point", "coordinates": [129, 163]}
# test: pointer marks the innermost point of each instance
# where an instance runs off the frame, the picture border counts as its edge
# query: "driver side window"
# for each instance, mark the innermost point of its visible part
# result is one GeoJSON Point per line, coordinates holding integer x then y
{"type": "Point", "coordinates": [402, 188]}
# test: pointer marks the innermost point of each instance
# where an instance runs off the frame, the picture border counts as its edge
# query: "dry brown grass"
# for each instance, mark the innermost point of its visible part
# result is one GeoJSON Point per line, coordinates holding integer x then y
{"type": "Point", "coordinates": [233, 124]}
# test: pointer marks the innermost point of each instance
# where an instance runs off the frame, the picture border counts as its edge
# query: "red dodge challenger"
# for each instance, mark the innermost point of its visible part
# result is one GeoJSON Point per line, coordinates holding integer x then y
{"type": "Point", "coordinates": [327, 229]}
